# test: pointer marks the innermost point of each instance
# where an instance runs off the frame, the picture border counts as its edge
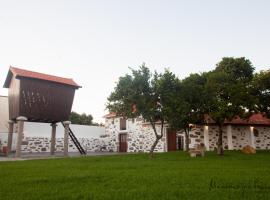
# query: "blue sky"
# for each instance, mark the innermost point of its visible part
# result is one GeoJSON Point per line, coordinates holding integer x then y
{"type": "Point", "coordinates": [95, 42]}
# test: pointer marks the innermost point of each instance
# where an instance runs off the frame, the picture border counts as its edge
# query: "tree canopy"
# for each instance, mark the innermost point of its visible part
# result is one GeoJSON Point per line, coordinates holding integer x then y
{"type": "Point", "coordinates": [228, 93]}
{"type": "Point", "coordinates": [82, 119]}
{"type": "Point", "coordinates": [261, 90]}
{"type": "Point", "coordinates": [140, 94]}
{"type": "Point", "coordinates": [230, 90]}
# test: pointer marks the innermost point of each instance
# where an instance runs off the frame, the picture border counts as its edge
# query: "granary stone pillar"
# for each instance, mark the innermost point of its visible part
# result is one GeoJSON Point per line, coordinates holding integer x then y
{"type": "Point", "coordinates": [53, 138]}
{"type": "Point", "coordinates": [20, 121]}
{"type": "Point", "coordinates": [10, 135]}
{"type": "Point", "coordinates": [251, 137]}
{"type": "Point", "coordinates": [229, 137]}
{"type": "Point", "coordinates": [206, 137]}
{"type": "Point", "coordinates": [66, 133]}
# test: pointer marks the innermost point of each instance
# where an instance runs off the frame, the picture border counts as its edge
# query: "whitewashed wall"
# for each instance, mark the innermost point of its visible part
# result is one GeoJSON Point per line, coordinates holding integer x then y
{"type": "Point", "coordinates": [241, 136]}
{"type": "Point", "coordinates": [37, 138]}
{"type": "Point", "coordinates": [140, 135]}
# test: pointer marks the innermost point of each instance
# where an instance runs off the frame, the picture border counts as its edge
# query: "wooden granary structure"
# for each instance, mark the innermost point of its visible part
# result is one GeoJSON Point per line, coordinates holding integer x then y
{"type": "Point", "coordinates": [38, 97]}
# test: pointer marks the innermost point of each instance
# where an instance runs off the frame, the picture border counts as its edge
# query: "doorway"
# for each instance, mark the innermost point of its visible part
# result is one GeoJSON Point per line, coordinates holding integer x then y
{"type": "Point", "coordinates": [171, 140]}
{"type": "Point", "coordinates": [123, 142]}
{"type": "Point", "coordinates": [180, 143]}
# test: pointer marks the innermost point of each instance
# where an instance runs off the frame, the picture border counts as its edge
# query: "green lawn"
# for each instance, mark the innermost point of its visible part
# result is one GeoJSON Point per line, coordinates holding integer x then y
{"type": "Point", "coordinates": [168, 176]}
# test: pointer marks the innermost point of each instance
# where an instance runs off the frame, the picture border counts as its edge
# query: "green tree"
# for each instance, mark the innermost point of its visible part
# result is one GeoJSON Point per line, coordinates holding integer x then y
{"type": "Point", "coordinates": [261, 90]}
{"type": "Point", "coordinates": [227, 88]}
{"type": "Point", "coordinates": [139, 91]}
{"type": "Point", "coordinates": [184, 101]}
{"type": "Point", "coordinates": [82, 119]}
{"type": "Point", "coordinates": [191, 103]}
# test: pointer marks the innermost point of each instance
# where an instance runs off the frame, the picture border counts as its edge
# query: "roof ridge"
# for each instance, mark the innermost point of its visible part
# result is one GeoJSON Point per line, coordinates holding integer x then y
{"type": "Point", "coordinates": [26, 70]}
{"type": "Point", "coordinates": [19, 72]}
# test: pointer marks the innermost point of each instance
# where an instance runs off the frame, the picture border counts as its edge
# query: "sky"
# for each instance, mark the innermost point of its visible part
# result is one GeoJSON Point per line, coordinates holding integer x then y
{"type": "Point", "coordinates": [95, 42]}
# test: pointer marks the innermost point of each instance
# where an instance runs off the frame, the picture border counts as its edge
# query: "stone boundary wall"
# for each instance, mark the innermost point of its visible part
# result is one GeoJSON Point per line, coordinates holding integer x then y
{"type": "Point", "coordinates": [42, 144]}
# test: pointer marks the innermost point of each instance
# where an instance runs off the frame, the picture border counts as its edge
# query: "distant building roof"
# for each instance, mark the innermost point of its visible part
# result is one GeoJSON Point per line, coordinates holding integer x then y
{"type": "Point", "coordinates": [36, 75]}
{"type": "Point", "coordinates": [255, 119]}
{"type": "Point", "coordinates": [110, 115]}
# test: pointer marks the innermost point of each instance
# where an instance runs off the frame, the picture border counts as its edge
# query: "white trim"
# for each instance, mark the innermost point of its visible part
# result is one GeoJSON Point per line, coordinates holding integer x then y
{"type": "Point", "coordinates": [251, 137]}
{"type": "Point", "coordinates": [229, 137]}
{"type": "Point", "coordinates": [206, 137]}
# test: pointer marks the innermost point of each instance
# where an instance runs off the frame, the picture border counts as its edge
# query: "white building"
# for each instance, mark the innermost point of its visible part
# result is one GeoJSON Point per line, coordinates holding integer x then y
{"type": "Point", "coordinates": [135, 135]}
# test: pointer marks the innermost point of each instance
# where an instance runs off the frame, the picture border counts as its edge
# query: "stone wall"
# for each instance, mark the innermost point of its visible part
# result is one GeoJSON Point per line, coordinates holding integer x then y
{"type": "Point", "coordinates": [241, 136]}
{"type": "Point", "coordinates": [213, 137]}
{"type": "Point", "coordinates": [42, 144]}
{"type": "Point", "coordinates": [140, 135]}
{"type": "Point", "coordinates": [196, 136]}
{"type": "Point", "coordinates": [262, 137]}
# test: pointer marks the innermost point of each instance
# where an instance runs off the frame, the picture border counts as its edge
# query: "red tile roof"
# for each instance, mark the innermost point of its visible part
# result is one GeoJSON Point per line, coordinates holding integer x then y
{"type": "Point", "coordinates": [110, 115]}
{"type": "Point", "coordinates": [255, 119]}
{"type": "Point", "coordinates": [36, 75]}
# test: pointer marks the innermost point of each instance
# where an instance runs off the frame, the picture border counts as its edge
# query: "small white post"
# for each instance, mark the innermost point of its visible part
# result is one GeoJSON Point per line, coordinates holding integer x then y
{"type": "Point", "coordinates": [53, 138]}
{"type": "Point", "coordinates": [206, 137]}
{"type": "Point", "coordinates": [229, 137]}
{"type": "Point", "coordinates": [66, 133]}
{"type": "Point", "coordinates": [10, 135]}
{"type": "Point", "coordinates": [252, 143]}
{"type": "Point", "coordinates": [20, 135]}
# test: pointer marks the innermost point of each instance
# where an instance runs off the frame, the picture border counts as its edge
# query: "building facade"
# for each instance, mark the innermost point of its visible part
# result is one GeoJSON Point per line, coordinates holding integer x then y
{"type": "Point", "coordinates": [136, 135]}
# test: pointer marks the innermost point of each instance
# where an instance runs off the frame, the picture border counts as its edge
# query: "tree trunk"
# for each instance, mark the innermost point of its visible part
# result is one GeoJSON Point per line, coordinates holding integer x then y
{"type": "Point", "coordinates": [187, 139]}
{"type": "Point", "coordinates": [158, 137]}
{"type": "Point", "coordinates": [153, 147]}
{"type": "Point", "coordinates": [220, 146]}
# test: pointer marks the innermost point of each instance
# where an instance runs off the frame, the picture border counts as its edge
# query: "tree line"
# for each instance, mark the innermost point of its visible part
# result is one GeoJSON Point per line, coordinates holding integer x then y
{"type": "Point", "coordinates": [82, 119]}
{"type": "Point", "coordinates": [231, 89]}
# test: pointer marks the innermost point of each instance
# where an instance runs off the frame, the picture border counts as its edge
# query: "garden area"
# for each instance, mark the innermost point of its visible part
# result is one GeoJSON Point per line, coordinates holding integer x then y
{"type": "Point", "coordinates": [134, 176]}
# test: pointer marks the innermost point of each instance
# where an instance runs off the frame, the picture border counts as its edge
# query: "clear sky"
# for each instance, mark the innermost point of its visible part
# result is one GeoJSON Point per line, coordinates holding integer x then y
{"type": "Point", "coordinates": [95, 42]}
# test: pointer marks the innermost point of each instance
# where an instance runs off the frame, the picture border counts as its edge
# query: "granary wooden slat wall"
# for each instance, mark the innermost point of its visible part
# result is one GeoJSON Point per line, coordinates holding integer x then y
{"type": "Point", "coordinates": [39, 97]}
{"type": "Point", "coordinates": [45, 101]}
{"type": "Point", "coordinates": [14, 98]}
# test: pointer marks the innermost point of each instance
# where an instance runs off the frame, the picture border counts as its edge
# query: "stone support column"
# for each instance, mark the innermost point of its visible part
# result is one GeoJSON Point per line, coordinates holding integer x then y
{"type": "Point", "coordinates": [20, 121]}
{"type": "Point", "coordinates": [10, 135]}
{"type": "Point", "coordinates": [251, 137]}
{"type": "Point", "coordinates": [229, 137]}
{"type": "Point", "coordinates": [206, 137]}
{"type": "Point", "coordinates": [53, 138]}
{"type": "Point", "coordinates": [66, 134]}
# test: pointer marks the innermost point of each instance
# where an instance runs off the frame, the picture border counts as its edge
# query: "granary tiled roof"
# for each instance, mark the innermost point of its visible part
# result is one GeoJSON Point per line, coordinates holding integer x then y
{"type": "Point", "coordinates": [17, 72]}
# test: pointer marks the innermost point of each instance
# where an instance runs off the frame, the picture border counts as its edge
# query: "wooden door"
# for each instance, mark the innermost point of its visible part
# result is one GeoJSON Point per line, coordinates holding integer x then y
{"type": "Point", "coordinates": [171, 140]}
{"type": "Point", "coordinates": [123, 142]}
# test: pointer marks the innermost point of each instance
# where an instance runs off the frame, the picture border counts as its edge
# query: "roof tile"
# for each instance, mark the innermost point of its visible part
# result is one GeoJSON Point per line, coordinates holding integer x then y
{"type": "Point", "coordinates": [36, 75]}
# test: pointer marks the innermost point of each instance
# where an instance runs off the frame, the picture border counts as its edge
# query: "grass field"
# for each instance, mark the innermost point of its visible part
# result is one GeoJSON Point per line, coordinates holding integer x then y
{"type": "Point", "coordinates": [168, 176]}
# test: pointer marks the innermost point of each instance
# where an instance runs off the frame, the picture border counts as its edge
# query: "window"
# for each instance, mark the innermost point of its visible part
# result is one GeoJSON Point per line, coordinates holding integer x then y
{"type": "Point", "coordinates": [123, 124]}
